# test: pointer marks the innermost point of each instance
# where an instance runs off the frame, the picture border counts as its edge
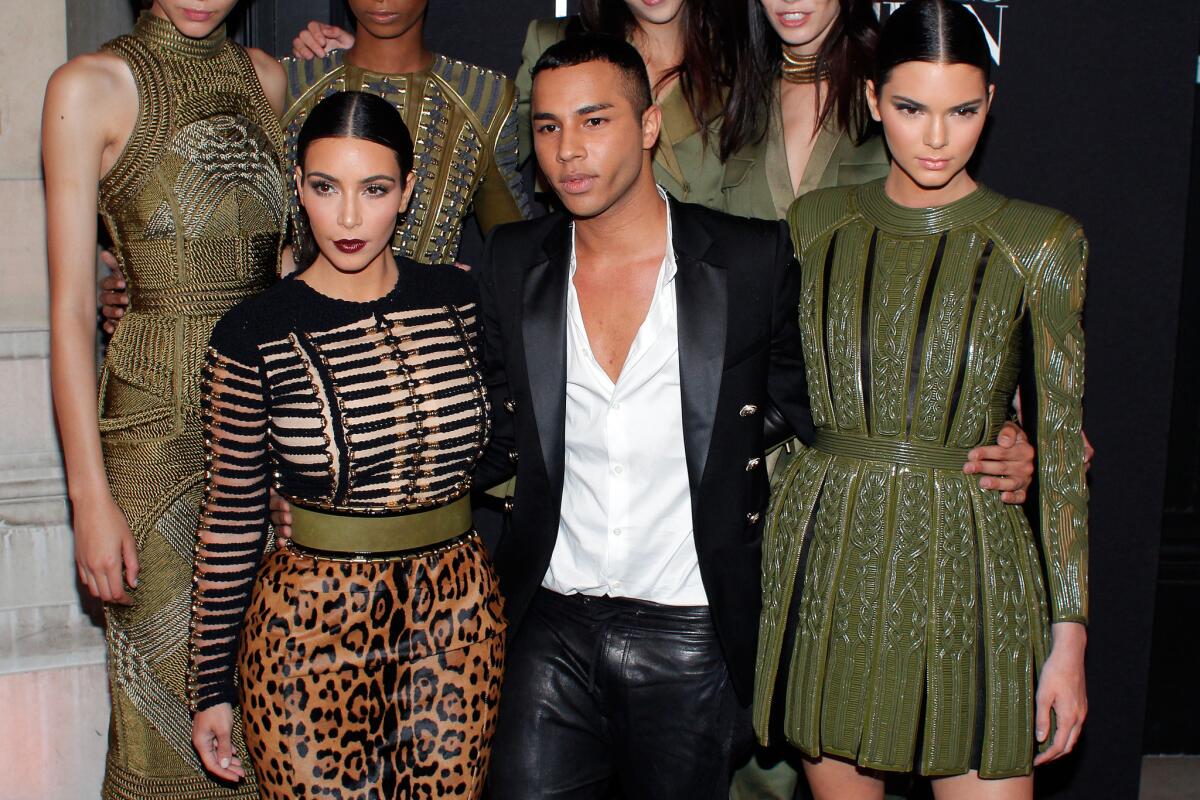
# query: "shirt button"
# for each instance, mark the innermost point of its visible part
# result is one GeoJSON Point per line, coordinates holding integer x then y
{"type": "Point", "coordinates": [615, 406]}
{"type": "Point", "coordinates": [618, 469]}
{"type": "Point", "coordinates": [616, 584]}
{"type": "Point", "coordinates": [616, 531]}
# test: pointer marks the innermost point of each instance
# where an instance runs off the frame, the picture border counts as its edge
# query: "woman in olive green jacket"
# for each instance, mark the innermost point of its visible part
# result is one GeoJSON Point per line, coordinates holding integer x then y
{"type": "Point", "coordinates": [796, 118]}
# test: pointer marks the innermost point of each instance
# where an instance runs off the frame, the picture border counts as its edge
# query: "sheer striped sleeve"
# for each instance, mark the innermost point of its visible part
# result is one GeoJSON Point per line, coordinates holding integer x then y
{"type": "Point", "coordinates": [233, 520]}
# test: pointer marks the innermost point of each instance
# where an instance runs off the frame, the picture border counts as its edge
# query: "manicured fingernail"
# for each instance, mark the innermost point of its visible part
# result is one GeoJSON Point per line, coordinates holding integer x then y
{"type": "Point", "coordinates": [224, 762]}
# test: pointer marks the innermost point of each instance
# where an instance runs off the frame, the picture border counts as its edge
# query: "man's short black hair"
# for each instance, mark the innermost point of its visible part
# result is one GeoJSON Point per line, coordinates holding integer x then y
{"type": "Point", "coordinates": [585, 48]}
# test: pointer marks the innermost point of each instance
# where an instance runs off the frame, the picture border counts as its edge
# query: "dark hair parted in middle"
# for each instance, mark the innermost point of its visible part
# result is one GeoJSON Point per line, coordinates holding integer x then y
{"type": "Point", "coordinates": [589, 47]}
{"type": "Point", "coordinates": [707, 60]}
{"type": "Point", "coordinates": [349, 115]}
{"type": "Point", "coordinates": [847, 54]}
{"type": "Point", "coordinates": [935, 31]}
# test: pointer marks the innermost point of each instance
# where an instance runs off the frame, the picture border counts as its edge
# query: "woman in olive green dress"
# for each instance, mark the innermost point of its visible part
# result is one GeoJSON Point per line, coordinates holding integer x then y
{"type": "Point", "coordinates": [925, 636]}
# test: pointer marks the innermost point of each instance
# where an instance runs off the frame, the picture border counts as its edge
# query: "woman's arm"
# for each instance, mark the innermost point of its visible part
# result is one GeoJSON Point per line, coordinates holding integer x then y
{"type": "Point", "coordinates": [501, 196]}
{"type": "Point", "coordinates": [90, 108]}
{"type": "Point", "coordinates": [317, 39]}
{"type": "Point", "coordinates": [1055, 297]}
{"type": "Point", "coordinates": [231, 536]}
{"type": "Point", "coordinates": [272, 77]}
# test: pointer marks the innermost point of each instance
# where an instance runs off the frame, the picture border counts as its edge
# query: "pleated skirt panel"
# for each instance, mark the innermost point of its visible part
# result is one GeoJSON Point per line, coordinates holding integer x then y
{"type": "Point", "coordinates": [923, 622]}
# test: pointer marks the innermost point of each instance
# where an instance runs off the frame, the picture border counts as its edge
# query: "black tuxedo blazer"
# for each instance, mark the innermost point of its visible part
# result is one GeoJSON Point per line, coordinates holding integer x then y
{"type": "Point", "coordinates": [741, 374]}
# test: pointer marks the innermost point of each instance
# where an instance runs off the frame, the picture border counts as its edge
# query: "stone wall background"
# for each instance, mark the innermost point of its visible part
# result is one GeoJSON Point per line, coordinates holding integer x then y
{"type": "Point", "coordinates": [53, 691]}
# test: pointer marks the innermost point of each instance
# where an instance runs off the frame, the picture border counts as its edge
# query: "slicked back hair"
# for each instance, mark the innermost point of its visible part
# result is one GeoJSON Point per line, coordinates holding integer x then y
{"type": "Point", "coordinates": [934, 31]}
{"type": "Point", "coordinates": [587, 48]}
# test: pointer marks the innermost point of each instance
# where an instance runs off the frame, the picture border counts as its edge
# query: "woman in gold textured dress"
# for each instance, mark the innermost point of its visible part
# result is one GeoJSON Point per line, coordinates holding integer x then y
{"type": "Point", "coordinates": [911, 620]}
{"type": "Point", "coordinates": [172, 132]}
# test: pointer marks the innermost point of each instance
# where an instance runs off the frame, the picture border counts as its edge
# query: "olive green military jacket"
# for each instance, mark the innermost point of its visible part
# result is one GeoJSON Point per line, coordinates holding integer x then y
{"type": "Point", "coordinates": [756, 181]}
{"type": "Point", "coordinates": [927, 602]}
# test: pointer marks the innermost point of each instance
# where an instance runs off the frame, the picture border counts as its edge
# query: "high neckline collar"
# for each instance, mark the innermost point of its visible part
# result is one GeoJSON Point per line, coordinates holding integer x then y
{"type": "Point", "coordinates": [435, 65]}
{"type": "Point", "coordinates": [889, 215]}
{"type": "Point", "coordinates": [162, 34]}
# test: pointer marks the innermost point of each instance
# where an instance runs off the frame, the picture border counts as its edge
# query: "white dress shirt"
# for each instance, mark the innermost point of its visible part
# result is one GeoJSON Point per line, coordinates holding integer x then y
{"type": "Point", "coordinates": [626, 520]}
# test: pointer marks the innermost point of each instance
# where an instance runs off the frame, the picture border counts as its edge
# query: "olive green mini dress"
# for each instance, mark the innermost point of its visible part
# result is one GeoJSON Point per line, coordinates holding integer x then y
{"type": "Point", "coordinates": [926, 602]}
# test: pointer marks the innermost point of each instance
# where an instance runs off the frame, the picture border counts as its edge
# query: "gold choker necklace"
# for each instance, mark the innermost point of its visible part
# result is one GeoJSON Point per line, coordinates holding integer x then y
{"type": "Point", "coordinates": [802, 69]}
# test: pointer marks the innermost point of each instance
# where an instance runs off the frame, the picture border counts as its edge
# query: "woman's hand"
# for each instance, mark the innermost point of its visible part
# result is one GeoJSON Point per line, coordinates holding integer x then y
{"type": "Point", "coordinates": [212, 736]}
{"type": "Point", "coordinates": [1062, 687]}
{"type": "Point", "coordinates": [318, 39]}
{"type": "Point", "coordinates": [281, 518]}
{"type": "Point", "coordinates": [114, 300]}
{"type": "Point", "coordinates": [105, 552]}
{"type": "Point", "coordinates": [1007, 466]}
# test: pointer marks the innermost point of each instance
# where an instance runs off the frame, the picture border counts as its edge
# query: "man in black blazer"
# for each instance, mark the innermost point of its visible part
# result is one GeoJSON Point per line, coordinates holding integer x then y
{"type": "Point", "coordinates": [611, 680]}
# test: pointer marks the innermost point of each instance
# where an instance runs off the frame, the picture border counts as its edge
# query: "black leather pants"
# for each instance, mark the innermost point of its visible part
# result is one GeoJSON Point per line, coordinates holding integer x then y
{"type": "Point", "coordinates": [609, 697]}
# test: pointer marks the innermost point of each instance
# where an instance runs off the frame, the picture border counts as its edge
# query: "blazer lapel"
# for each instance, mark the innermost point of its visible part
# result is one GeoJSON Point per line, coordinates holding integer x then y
{"type": "Point", "coordinates": [702, 303]}
{"type": "Point", "coordinates": [544, 331]}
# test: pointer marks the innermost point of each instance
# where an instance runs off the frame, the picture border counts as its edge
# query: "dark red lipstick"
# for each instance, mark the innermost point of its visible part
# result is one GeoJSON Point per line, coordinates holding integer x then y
{"type": "Point", "coordinates": [350, 245]}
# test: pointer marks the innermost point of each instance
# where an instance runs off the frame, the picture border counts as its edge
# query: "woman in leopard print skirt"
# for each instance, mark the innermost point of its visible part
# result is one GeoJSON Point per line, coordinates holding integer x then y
{"type": "Point", "coordinates": [370, 652]}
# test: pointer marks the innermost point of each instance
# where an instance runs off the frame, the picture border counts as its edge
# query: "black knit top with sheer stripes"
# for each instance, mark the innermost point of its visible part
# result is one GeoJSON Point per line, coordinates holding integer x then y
{"type": "Point", "coordinates": [374, 408]}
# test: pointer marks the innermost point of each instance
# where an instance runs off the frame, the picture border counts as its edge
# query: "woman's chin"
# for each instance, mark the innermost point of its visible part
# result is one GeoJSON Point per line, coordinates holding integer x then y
{"type": "Point", "coordinates": [351, 263]}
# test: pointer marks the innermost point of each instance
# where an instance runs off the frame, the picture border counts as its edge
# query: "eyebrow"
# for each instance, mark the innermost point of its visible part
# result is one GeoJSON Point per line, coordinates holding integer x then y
{"type": "Point", "coordinates": [593, 108]}
{"type": "Point", "coordinates": [332, 179]}
{"type": "Point", "coordinates": [922, 107]}
{"type": "Point", "coordinates": [580, 112]}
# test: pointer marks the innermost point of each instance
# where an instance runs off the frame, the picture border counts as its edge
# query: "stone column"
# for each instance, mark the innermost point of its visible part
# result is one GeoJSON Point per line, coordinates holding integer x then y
{"type": "Point", "coordinates": [52, 683]}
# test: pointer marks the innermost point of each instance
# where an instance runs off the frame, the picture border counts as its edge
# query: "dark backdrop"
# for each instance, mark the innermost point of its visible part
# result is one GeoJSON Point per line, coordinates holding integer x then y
{"type": "Point", "coordinates": [1094, 115]}
{"type": "Point", "coordinates": [1077, 129]}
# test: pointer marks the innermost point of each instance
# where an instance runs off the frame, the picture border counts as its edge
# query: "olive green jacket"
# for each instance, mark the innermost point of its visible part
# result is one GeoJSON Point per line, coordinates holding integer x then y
{"type": "Point", "coordinates": [756, 181]}
{"type": "Point", "coordinates": [685, 161]}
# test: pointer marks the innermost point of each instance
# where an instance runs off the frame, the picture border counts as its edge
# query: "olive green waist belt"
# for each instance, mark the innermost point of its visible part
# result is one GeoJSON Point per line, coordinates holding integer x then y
{"type": "Point", "coordinates": [911, 454]}
{"type": "Point", "coordinates": [336, 533]}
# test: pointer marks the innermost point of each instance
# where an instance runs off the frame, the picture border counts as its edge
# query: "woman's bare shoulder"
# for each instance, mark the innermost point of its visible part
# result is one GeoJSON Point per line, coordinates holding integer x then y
{"type": "Point", "coordinates": [93, 79]}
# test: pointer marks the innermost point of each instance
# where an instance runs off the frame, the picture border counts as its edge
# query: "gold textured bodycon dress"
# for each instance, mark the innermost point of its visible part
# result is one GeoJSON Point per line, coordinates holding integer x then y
{"type": "Point", "coordinates": [924, 618]}
{"type": "Point", "coordinates": [195, 206]}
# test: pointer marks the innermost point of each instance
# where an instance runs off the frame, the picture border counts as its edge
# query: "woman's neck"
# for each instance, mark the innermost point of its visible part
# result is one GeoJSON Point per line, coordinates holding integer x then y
{"type": "Point", "coordinates": [812, 47]}
{"type": "Point", "coordinates": [370, 283]}
{"type": "Point", "coordinates": [404, 54]}
{"type": "Point", "coordinates": [661, 46]}
{"type": "Point", "coordinates": [902, 190]}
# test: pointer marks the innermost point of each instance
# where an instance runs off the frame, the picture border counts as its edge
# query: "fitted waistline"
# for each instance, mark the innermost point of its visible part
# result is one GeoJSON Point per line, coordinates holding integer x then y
{"type": "Point", "coordinates": [191, 301]}
{"type": "Point", "coordinates": [359, 536]}
{"type": "Point", "coordinates": [910, 454]}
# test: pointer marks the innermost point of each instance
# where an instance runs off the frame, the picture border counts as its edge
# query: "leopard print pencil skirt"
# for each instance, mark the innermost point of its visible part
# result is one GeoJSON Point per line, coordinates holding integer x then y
{"type": "Point", "coordinates": [376, 679]}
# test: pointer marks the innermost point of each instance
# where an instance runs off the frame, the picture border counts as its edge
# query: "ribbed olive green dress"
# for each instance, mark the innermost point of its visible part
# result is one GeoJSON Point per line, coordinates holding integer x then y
{"type": "Point", "coordinates": [924, 619]}
{"type": "Point", "coordinates": [195, 206]}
